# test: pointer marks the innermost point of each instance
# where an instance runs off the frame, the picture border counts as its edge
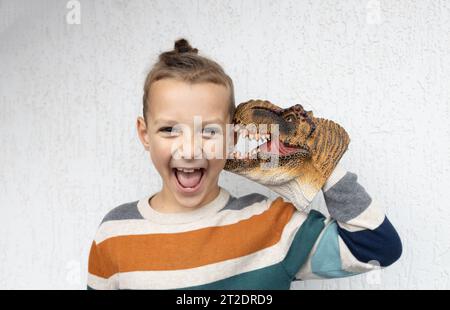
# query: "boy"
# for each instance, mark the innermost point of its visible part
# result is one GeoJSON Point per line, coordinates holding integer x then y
{"type": "Point", "coordinates": [193, 234]}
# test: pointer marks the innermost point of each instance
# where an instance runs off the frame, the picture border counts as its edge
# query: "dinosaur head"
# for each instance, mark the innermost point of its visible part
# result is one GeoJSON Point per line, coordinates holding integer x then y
{"type": "Point", "coordinates": [300, 144]}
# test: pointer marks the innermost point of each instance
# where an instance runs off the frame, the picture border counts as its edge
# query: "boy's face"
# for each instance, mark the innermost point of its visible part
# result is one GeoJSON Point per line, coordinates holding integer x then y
{"type": "Point", "coordinates": [187, 130]}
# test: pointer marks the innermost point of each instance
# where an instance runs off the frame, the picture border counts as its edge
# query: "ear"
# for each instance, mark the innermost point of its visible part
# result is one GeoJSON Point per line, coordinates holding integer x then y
{"type": "Point", "coordinates": [142, 133]}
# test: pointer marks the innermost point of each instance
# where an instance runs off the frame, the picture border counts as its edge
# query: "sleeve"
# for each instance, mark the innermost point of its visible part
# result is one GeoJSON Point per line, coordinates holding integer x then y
{"type": "Point", "coordinates": [101, 270]}
{"type": "Point", "coordinates": [356, 237]}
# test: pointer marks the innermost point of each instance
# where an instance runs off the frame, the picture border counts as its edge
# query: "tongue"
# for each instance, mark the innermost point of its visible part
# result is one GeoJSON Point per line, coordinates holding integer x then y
{"type": "Point", "coordinates": [283, 149]}
{"type": "Point", "coordinates": [189, 179]}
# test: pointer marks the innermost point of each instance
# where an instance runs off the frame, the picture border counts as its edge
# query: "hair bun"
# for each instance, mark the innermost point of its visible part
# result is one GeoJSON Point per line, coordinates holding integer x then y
{"type": "Point", "coordinates": [183, 46]}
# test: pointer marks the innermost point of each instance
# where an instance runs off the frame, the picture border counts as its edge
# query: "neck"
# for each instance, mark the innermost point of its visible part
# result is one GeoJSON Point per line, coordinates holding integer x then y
{"type": "Point", "coordinates": [165, 202]}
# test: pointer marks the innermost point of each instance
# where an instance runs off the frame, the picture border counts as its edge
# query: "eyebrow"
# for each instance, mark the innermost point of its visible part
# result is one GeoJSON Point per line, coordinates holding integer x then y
{"type": "Point", "coordinates": [169, 121]}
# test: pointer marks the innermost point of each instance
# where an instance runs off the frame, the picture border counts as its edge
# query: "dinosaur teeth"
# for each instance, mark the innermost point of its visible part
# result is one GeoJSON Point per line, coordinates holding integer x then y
{"type": "Point", "coordinates": [237, 127]}
{"type": "Point", "coordinates": [252, 154]}
{"type": "Point", "coordinates": [250, 132]}
{"type": "Point", "coordinates": [248, 146]}
{"type": "Point", "coordinates": [243, 133]}
{"type": "Point", "coordinates": [257, 136]}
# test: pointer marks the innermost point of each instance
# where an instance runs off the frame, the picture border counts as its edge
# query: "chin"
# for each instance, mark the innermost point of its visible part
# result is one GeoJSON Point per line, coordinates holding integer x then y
{"type": "Point", "coordinates": [191, 202]}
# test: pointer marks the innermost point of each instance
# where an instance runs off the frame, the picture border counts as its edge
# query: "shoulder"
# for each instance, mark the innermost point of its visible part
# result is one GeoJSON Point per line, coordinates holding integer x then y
{"type": "Point", "coordinates": [125, 211]}
{"type": "Point", "coordinates": [115, 222]}
{"type": "Point", "coordinates": [240, 203]}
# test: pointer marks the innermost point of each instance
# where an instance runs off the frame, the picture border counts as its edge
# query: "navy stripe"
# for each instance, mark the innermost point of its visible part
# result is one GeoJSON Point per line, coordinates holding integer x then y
{"type": "Point", "coordinates": [381, 244]}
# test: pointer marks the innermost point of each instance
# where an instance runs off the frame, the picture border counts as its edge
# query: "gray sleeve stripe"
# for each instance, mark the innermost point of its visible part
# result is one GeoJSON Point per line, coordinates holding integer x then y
{"type": "Point", "coordinates": [126, 211]}
{"type": "Point", "coordinates": [347, 198]}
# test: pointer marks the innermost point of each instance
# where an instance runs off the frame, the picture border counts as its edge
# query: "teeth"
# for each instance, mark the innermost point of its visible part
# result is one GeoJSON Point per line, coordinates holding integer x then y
{"type": "Point", "coordinates": [248, 147]}
{"type": "Point", "coordinates": [249, 154]}
{"type": "Point", "coordinates": [244, 155]}
{"type": "Point", "coordinates": [250, 133]}
{"type": "Point", "coordinates": [249, 142]}
{"type": "Point", "coordinates": [187, 170]}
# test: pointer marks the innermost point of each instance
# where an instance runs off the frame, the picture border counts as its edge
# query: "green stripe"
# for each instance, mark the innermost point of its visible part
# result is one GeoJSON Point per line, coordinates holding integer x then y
{"type": "Point", "coordinates": [326, 261]}
{"type": "Point", "coordinates": [303, 242]}
{"type": "Point", "coordinates": [268, 278]}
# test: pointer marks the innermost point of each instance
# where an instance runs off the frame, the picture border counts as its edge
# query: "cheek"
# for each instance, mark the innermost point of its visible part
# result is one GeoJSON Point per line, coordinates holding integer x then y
{"type": "Point", "coordinates": [216, 165]}
{"type": "Point", "coordinates": [160, 151]}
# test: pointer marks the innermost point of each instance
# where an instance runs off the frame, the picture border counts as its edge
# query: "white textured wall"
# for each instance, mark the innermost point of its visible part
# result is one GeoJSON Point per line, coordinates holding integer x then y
{"type": "Point", "coordinates": [70, 95]}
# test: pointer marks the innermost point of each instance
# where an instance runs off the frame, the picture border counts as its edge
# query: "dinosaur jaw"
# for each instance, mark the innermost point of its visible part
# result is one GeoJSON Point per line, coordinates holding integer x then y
{"type": "Point", "coordinates": [252, 143]}
{"type": "Point", "coordinates": [281, 149]}
{"type": "Point", "coordinates": [266, 150]}
{"type": "Point", "coordinates": [254, 149]}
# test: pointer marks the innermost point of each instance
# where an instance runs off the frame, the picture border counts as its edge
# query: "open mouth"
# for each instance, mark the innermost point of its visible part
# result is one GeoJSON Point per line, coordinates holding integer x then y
{"type": "Point", "coordinates": [254, 145]}
{"type": "Point", "coordinates": [188, 180]}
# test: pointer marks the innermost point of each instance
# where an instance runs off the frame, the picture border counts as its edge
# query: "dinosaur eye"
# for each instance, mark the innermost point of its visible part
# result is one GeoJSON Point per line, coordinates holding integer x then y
{"type": "Point", "coordinates": [290, 118]}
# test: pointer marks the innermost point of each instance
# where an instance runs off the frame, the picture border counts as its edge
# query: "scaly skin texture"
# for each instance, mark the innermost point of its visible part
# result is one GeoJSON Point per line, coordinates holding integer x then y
{"type": "Point", "coordinates": [319, 143]}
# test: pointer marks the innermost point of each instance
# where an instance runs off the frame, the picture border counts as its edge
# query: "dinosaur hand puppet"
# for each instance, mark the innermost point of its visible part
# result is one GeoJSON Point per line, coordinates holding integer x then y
{"type": "Point", "coordinates": [295, 160]}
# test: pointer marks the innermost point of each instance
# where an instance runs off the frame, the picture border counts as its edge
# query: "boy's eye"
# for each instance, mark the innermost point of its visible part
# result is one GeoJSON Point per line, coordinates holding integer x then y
{"type": "Point", "coordinates": [211, 131]}
{"type": "Point", "coordinates": [168, 129]}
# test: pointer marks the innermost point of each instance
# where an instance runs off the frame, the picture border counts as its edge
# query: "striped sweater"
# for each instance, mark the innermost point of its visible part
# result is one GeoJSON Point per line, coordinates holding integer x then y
{"type": "Point", "coordinates": [248, 242]}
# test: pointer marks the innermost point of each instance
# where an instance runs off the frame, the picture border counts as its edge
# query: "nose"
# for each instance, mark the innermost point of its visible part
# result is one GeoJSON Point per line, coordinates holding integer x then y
{"type": "Point", "coordinates": [190, 146]}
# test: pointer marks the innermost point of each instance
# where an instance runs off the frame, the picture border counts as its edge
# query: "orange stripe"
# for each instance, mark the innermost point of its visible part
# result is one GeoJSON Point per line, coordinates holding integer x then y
{"type": "Point", "coordinates": [100, 263]}
{"type": "Point", "coordinates": [194, 248]}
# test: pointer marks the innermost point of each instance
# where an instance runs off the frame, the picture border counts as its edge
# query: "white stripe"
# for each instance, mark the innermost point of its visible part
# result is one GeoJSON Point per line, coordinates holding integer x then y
{"type": "Point", "coordinates": [170, 279]}
{"type": "Point", "coordinates": [100, 283]}
{"type": "Point", "coordinates": [337, 174]}
{"type": "Point", "coordinates": [176, 218]}
{"type": "Point", "coordinates": [319, 204]}
{"type": "Point", "coordinates": [349, 262]}
{"type": "Point", "coordinates": [142, 226]}
{"type": "Point", "coordinates": [370, 218]}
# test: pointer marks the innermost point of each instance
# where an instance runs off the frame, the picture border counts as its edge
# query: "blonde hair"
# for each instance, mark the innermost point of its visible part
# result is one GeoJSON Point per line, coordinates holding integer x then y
{"type": "Point", "coordinates": [184, 63]}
